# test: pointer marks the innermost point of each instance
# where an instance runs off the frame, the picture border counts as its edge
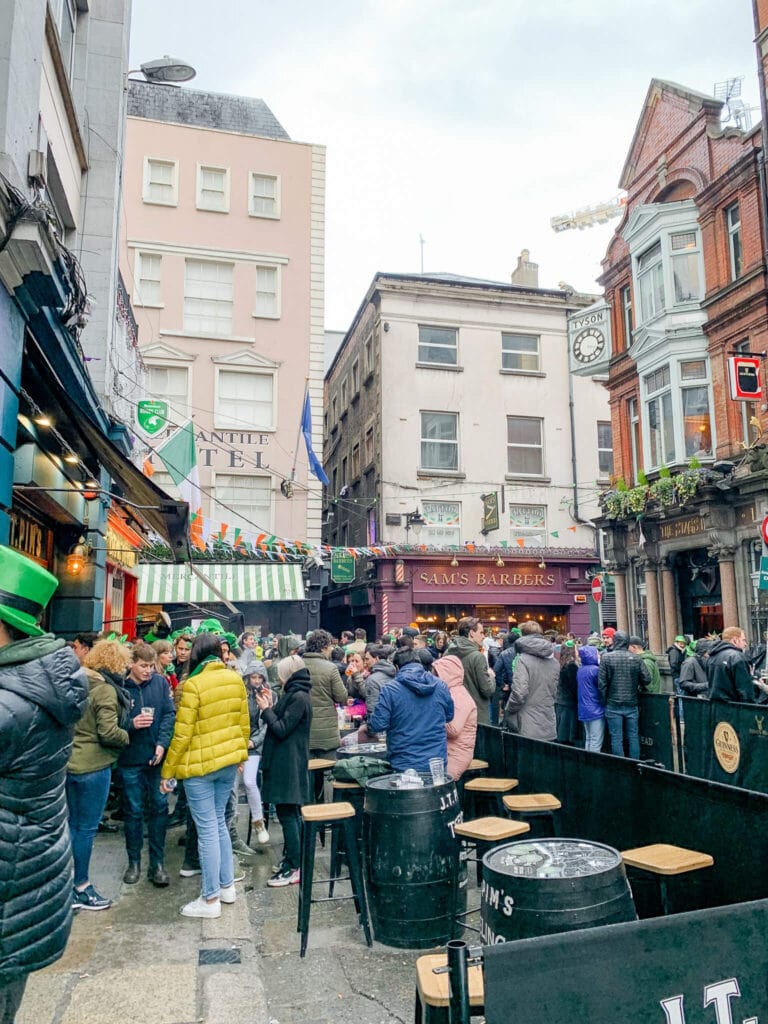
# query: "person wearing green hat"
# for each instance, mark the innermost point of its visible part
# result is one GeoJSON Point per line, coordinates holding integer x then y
{"type": "Point", "coordinates": [43, 693]}
{"type": "Point", "coordinates": [676, 654]}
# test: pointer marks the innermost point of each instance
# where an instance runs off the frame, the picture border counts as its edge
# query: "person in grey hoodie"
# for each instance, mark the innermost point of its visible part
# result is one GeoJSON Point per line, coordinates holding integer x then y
{"type": "Point", "coordinates": [478, 678]}
{"type": "Point", "coordinates": [530, 710]}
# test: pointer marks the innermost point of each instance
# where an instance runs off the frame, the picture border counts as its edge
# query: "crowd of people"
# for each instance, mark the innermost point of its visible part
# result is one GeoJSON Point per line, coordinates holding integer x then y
{"type": "Point", "coordinates": [196, 713]}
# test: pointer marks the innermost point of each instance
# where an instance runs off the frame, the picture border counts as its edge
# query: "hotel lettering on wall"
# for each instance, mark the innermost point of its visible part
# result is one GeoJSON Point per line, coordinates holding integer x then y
{"type": "Point", "coordinates": [690, 526]}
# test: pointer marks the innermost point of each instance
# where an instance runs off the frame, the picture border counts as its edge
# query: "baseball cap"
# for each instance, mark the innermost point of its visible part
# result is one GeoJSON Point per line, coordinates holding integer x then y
{"type": "Point", "coordinates": [680, 640]}
{"type": "Point", "coordinates": [636, 641]}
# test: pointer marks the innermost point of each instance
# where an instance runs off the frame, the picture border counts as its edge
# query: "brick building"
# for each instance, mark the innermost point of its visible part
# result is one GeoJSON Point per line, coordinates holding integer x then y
{"type": "Point", "coordinates": [685, 279]}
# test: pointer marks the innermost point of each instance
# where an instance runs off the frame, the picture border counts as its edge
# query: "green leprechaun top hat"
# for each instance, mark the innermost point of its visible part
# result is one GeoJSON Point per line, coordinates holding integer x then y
{"type": "Point", "coordinates": [25, 590]}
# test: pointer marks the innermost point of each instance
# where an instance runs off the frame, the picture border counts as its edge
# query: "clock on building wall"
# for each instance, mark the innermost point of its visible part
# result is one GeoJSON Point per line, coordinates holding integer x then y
{"type": "Point", "coordinates": [588, 345]}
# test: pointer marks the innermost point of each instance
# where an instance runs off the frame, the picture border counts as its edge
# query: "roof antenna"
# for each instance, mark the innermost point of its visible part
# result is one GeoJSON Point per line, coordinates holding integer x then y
{"type": "Point", "coordinates": [422, 243]}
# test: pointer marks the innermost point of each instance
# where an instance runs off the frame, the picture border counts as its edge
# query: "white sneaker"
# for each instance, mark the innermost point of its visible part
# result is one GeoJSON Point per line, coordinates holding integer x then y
{"type": "Point", "coordinates": [260, 832]}
{"type": "Point", "coordinates": [201, 908]}
{"type": "Point", "coordinates": [227, 893]}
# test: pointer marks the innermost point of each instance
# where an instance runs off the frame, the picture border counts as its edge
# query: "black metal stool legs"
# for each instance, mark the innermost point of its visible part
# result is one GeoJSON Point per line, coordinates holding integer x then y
{"type": "Point", "coordinates": [305, 883]}
{"type": "Point", "coordinates": [356, 877]}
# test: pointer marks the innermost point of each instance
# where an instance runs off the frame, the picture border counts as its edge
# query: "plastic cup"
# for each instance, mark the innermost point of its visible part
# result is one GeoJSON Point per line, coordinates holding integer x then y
{"type": "Point", "coordinates": [148, 711]}
{"type": "Point", "coordinates": [437, 770]}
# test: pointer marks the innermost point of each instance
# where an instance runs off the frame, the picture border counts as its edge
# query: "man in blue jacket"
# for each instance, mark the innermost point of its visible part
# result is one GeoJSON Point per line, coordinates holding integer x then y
{"type": "Point", "coordinates": [152, 718]}
{"type": "Point", "coordinates": [413, 710]}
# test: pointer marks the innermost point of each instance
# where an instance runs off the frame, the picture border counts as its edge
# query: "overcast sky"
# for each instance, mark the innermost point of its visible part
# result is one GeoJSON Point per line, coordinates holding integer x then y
{"type": "Point", "coordinates": [468, 124]}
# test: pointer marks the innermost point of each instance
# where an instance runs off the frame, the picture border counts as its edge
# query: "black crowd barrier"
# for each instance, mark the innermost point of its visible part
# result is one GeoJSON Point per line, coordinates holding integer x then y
{"type": "Point", "coordinates": [627, 804]}
{"type": "Point", "coordinates": [692, 968]}
{"type": "Point", "coordinates": [721, 742]}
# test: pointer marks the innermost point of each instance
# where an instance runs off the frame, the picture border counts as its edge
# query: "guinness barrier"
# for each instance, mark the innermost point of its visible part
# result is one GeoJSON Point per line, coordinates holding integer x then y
{"type": "Point", "coordinates": [705, 967]}
{"type": "Point", "coordinates": [626, 804]}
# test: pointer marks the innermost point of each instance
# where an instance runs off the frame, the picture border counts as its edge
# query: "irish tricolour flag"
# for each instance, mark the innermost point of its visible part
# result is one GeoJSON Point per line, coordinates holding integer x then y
{"type": "Point", "coordinates": [179, 456]}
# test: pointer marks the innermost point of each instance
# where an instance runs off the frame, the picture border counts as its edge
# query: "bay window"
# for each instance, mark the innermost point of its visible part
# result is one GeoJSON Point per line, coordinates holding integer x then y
{"type": "Point", "coordinates": [678, 412]}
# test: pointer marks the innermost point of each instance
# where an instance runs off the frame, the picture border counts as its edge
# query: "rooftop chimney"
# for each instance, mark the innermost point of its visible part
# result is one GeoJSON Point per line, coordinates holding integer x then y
{"type": "Point", "coordinates": [526, 273]}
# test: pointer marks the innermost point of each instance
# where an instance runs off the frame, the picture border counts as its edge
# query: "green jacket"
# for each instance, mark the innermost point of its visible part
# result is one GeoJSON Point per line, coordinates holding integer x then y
{"type": "Point", "coordinates": [653, 671]}
{"type": "Point", "coordinates": [98, 737]}
{"type": "Point", "coordinates": [476, 678]}
{"type": "Point", "coordinates": [327, 691]}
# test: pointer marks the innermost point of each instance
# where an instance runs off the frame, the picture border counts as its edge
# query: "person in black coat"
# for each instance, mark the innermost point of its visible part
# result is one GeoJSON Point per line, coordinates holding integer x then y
{"type": "Point", "coordinates": [43, 693]}
{"type": "Point", "coordinates": [286, 752]}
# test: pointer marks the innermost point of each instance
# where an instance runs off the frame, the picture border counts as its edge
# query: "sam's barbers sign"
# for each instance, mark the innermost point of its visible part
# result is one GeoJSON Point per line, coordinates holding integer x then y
{"type": "Point", "coordinates": [484, 578]}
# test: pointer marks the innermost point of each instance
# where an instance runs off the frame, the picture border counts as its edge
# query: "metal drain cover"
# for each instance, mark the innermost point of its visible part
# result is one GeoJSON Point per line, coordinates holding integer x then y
{"type": "Point", "coordinates": [218, 956]}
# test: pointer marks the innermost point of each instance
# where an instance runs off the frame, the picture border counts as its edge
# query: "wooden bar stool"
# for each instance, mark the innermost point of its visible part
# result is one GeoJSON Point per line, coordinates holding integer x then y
{"type": "Point", "coordinates": [533, 807]}
{"type": "Point", "coordinates": [318, 766]}
{"type": "Point", "coordinates": [354, 794]}
{"type": "Point", "coordinates": [662, 861]}
{"type": "Point", "coordinates": [432, 993]}
{"type": "Point", "coordinates": [340, 818]}
{"type": "Point", "coordinates": [485, 834]}
{"type": "Point", "coordinates": [485, 794]}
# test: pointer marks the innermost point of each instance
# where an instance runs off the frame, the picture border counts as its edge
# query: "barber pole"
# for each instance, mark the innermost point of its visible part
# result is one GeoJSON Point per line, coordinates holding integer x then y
{"type": "Point", "coordinates": [384, 613]}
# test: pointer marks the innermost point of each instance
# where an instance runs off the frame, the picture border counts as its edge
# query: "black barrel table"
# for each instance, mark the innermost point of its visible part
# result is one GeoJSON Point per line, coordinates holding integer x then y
{"type": "Point", "coordinates": [377, 750]}
{"type": "Point", "coordinates": [542, 886]}
{"type": "Point", "coordinates": [412, 862]}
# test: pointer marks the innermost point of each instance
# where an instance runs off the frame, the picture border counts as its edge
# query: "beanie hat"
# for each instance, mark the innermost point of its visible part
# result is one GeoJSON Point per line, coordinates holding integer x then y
{"type": "Point", "coordinates": [609, 631]}
{"type": "Point", "coordinates": [289, 665]}
{"type": "Point", "coordinates": [680, 640]}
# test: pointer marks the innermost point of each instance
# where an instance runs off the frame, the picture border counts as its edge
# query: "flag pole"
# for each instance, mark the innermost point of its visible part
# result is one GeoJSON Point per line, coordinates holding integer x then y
{"type": "Point", "coordinates": [298, 436]}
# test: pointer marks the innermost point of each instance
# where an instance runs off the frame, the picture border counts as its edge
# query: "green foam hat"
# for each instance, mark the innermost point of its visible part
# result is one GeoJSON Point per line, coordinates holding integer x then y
{"type": "Point", "coordinates": [230, 638]}
{"type": "Point", "coordinates": [25, 590]}
{"type": "Point", "coordinates": [210, 626]}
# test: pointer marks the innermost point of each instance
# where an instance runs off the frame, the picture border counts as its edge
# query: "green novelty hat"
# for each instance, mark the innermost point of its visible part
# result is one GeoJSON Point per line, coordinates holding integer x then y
{"type": "Point", "coordinates": [25, 590]}
{"type": "Point", "coordinates": [210, 626]}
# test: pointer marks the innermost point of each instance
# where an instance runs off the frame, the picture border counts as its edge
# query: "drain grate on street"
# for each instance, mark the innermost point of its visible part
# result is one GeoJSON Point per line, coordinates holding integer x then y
{"type": "Point", "coordinates": [218, 956]}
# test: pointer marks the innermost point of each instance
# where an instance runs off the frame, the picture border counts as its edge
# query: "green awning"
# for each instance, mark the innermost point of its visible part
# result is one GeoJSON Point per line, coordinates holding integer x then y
{"type": "Point", "coordinates": [177, 584]}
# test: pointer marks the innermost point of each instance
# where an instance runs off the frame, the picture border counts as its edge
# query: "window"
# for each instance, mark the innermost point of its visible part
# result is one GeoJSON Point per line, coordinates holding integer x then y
{"type": "Point", "coordinates": [520, 352]}
{"type": "Point", "coordinates": [635, 437]}
{"type": "Point", "coordinates": [368, 451]}
{"type": "Point", "coordinates": [525, 446]}
{"type": "Point", "coordinates": [626, 309]}
{"type": "Point", "coordinates": [733, 224]}
{"type": "Point", "coordinates": [344, 397]}
{"type": "Point", "coordinates": [697, 427]}
{"type": "Point", "coordinates": [344, 477]}
{"type": "Point", "coordinates": [442, 522]}
{"type": "Point", "coordinates": [65, 16]}
{"type": "Point", "coordinates": [440, 441]}
{"type": "Point", "coordinates": [267, 295]}
{"type": "Point", "coordinates": [170, 384]}
{"type": "Point", "coordinates": [148, 279]}
{"type": "Point", "coordinates": [334, 484]}
{"type": "Point", "coordinates": [438, 345]}
{"type": "Point", "coordinates": [208, 297]}
{"type": "Point", "coordinates": [650, 276]}
{"type": "Point", "coordinates": [661, 425]}
{"type": "Point", "coordinates": [244, 502]}
{"type": "Point", "coordinates": [244, 400]}
{"type": "Point", "coordinates": [749, 410]}
{"type": "Point", "coordinates": [685, 265]}
{"type": "Point", "coordinates": [356, 462]}
{"type": "Point", "coordinates": [213, 188]}
{"type": "Point", "coordinates": [264, 195]}
{"type": "Point", "coordinates": [355, 378]}
{"type": "Point", "coordinates": [161, 182]}
{"type": "Point", "coordinates": [604, 448]}
{"type": "Point", "coordinates": [334, 411]}
{"type": "Point", "coordinates": [529, 521]}
{"type": "Point", "coordinates": [369, 355]}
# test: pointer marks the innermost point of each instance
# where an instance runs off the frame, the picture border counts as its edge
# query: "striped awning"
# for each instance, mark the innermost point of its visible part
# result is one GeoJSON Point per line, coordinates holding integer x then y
{"type": "Point", "coordinates": [177, 584]}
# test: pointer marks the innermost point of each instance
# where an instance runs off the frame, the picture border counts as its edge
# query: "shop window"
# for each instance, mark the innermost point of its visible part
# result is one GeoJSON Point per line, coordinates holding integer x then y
{"type": "Point", "coordinates": [528, 521]}
{"type": "Point", "coordinates": [442, 522]}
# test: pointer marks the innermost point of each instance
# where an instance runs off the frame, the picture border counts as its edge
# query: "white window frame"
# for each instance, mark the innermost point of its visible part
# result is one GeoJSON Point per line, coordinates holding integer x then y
{"type": "Point", "coordinates": [442, 522]}
{"type": "Point", "coordinates": [453, 442]}
{"type": "Point", "coordinates": [199, 200]}
{"type": "Point", "coordinates": [243, 424]}
{"type": "Point", "coordinates": [748, 409]}
{"type": "Point", "coordinates": [277, 312]}
{"type": "Point", "coordinates": [508, 339]}
{"type": "Point", "coordinates": [660, 273]}
{"type": "Point", "coordinates": [635, 436]}
{"type": "Point", "coordinates": [735, 240]}
{"type": "Point", "coordinates": [439, 345]}
{"type": "Point", "coordinates": [221, 514]}
{"type": "Point", "coordinates": [522, 512]}
{"type": "Point", "coordinates": [518, 444]}
{"type": "Point", "coordinates": [676, 255]}
{"type": "Point", "coordinates": [604, 473]}
{"type": "Point", "coordinates": [60, 10]}
{"type": "Point", "coordinates": [677, 385]}
{"type": "Point", "coordinates": [196, 330]}
{"type": "Point", "coordinates": [625, 294]}
{"type": "Point", "coordinates": [652, 273]}
{"type": "Point", "coordinates": [174, 186]}
{"type": "Point", "coordinates": [277, 198]}
{"type": "Point", "coordinates": [141, 298]}
{"type": "Point", "coordinates": [178, 411]}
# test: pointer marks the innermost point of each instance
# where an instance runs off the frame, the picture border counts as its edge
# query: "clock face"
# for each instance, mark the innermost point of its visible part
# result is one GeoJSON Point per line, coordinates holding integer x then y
{"type": "Point", "coordinates": [588, 345]}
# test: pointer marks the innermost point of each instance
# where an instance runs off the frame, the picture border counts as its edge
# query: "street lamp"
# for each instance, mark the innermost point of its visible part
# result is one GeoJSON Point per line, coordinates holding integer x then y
{"type": "Point", "coordinates": [165, 70]}
{"type": "Point", "coordinates": [413, 521]}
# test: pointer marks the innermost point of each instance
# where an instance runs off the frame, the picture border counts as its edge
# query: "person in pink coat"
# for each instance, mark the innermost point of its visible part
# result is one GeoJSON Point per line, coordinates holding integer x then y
{"type": "Point", "coordinates": [463, 729]}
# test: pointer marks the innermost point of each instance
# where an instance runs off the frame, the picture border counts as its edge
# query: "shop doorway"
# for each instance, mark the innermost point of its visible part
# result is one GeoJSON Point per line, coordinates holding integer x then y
{"type": "Point", "coordinates": [698, 584]}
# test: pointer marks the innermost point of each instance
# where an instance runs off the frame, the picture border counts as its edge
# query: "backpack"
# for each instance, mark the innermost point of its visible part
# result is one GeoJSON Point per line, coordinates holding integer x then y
{"type": "Point", "coordinates": [124, 716]}
{"type": "Point", "coordinates": [360, 769]}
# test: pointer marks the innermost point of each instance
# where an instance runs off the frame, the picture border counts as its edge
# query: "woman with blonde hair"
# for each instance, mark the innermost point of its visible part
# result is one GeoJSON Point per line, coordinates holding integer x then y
{"type": "Point", "coordinates": [97, 742]}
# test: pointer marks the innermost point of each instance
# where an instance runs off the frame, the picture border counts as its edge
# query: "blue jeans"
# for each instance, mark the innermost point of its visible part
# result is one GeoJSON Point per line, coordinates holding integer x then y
{"type": "Point", "coordinates": [141, 787]}
{"type": "Point", "coordinates": [207, 797]}
{"type": "Point", "coordinates": [623, 721]}
{"type": "Point", "coordinates": [595, 734]}
{"type": "Point", "coordinates": [86, 799]}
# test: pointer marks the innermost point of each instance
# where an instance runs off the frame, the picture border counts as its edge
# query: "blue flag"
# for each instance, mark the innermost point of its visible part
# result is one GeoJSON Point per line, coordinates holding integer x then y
{"type": "Point", "coordinates": [306, 429]}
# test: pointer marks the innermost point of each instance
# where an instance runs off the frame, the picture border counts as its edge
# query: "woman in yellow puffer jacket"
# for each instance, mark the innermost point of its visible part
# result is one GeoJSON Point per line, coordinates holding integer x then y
{"type": "Point", "coordinates": [210, 740]}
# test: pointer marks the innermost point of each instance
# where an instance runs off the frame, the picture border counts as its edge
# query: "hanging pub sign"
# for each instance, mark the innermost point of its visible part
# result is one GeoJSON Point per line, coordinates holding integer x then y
{"type": "Point", "coordinates": [744, 375]}
{"type": "Point", "coordinates": [152, 416]}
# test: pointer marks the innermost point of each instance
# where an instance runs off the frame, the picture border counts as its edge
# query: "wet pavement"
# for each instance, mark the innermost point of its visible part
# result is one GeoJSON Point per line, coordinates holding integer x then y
{"type": "Point", "coordinates": [139, 963]}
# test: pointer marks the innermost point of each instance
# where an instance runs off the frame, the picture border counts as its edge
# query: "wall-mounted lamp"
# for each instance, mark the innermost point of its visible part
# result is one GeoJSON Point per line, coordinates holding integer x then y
{"type": "Point", "coordinates": [500, 562]}
{"type": "Point", "coordinates": [542, 564]}
{"type": "Point", "coordinates": [165, 70]}
{"type": "Point", "coordinates": [454, 562]}
{"type": "Point", "coordinates": [71, 458]}
{"type": "Point", "coordinates": [42, 420]}
{"type": "Point", "coordinates": [413, 521]}
{"type": "Point", "coordinates": [78, 557]}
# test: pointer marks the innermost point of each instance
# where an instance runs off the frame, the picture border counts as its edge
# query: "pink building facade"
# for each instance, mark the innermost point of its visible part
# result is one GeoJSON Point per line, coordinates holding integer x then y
{"type": "Point", "coordinates": [223, 253]}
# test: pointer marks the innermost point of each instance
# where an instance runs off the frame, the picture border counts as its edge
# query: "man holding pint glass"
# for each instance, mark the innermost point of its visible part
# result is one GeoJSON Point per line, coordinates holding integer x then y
{"type": "Point", "coordinates": [152, 717]}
